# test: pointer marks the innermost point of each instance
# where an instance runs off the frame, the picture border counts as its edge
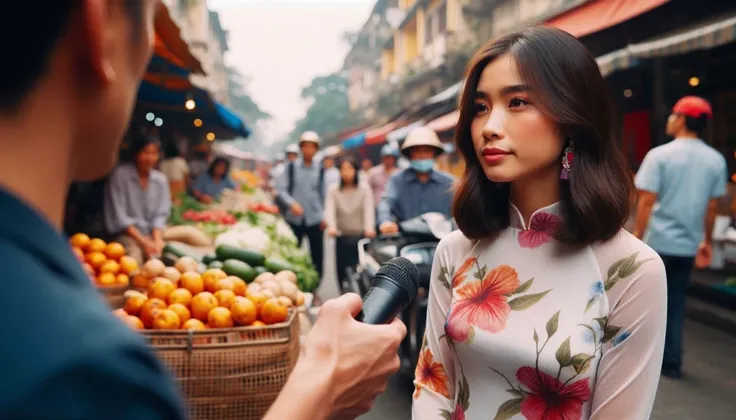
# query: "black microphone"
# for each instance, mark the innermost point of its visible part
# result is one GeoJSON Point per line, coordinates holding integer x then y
{"type": "Point", "coordinates": [394, 286]}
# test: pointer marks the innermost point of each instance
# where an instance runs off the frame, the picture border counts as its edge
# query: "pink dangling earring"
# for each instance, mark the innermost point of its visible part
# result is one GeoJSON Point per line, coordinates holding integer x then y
{"type": "Point", "coordinates": [567, 158]}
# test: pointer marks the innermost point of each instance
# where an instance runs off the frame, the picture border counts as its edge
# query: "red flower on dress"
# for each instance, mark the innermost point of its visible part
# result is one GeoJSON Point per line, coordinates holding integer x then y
{"type": "Point", "coordinates": [458, 413]}
{"type": "Point", "coordinates": [549, 398]}
{"type": "Point", "coordinates": [482, 304]}
{"type": "Point", "coordinates": [461, 272]}
{"type": "Point", "coordinates": [430, 374]}
{"type": "Point", "coordinates": [541, 229]}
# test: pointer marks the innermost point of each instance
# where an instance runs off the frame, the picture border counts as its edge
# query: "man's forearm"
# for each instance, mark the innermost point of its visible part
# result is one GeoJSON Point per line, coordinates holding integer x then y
{"type": "Point", "coordinates": [304, 397]}
{"type": "Point", "coordinates": [710, 220]}
{"type": "Point", "coordinates": [134, 233]}
{"type": "Point", "coordinates": [158, 235]}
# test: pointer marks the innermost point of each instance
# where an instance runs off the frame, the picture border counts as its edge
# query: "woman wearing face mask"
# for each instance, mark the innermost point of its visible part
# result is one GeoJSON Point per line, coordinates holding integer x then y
{"type": "Point", "coordinates": [418, 189]}
{"type": "Point", "coordinates": [138, 202]}
{"type": "Point", "coordinates": [349, 215]}
{"type": "Point", "coordinates": [541, 304]}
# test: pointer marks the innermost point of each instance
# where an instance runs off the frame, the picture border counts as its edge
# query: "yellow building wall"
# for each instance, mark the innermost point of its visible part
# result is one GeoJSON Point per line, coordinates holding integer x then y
{"type": "Point", "coordinates": [388, 63]}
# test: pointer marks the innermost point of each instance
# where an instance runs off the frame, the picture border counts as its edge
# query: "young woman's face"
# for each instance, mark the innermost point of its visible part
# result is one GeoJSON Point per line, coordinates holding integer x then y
{"type": "Point", "coordinates": [512, 138]}
{"type": "Point", "coordinates": [148, 157]}
{"type": "Point", "coordinates": [347, 172]}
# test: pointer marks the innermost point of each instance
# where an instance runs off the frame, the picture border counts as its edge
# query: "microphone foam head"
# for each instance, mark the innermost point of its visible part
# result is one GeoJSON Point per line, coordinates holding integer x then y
{"type": "Point", "coordinates": [404, 273]}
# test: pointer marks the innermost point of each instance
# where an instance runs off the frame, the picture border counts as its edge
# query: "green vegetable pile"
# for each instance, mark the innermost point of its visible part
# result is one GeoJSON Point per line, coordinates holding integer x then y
{"type": "Point", "coordinates": [286, 248]}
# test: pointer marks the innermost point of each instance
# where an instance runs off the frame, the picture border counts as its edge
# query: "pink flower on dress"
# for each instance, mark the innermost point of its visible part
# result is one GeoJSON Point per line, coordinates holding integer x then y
{"type": "Point", "coordinates": [549, 398]}
{"type": "Point", "coordinates": [482, 304]}
{"type": "Point", "coordinates": [541, 229]}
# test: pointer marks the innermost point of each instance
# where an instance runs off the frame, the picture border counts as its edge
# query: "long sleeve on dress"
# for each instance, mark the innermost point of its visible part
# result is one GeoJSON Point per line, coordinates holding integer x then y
{"type": "Point", "coordinates": [369, 210]}
{"type": "Point", "coordinates": [633, 347]}
{"type": "Point", "coordinates": [330, 208]}
{"type": "Point", "coordinates": [434, 378]}
{"type": "Point", "coordinates": [115, 214]}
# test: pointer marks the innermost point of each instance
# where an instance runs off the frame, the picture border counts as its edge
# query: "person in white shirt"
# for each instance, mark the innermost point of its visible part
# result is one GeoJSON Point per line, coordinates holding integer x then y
{"type": "Point", "coordinates": [176, 169]}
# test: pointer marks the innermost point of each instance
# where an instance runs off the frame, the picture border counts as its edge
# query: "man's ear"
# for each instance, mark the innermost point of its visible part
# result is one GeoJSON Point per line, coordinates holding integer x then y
{"type": "Point", "coordinates": [97, 48]}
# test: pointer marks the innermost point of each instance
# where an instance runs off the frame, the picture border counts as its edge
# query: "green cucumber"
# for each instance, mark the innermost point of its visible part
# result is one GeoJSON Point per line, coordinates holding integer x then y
{"type": "Point", "coordinates": [260, 269]}
{"type": "Point", "coordinates": [274, 265]}
{"type": "Point", "coordinates": [169, 259]}
{"type": "Point", "coordinates": [215, 264]}
{"type": "Point", "coordinates": [181, 250]}
{"type": "Point", "coordinates": [252, 258]}
{"type": "Point", "coordinates": [237, 268]}
{"type": "Point", "coordinates": [209, 258]}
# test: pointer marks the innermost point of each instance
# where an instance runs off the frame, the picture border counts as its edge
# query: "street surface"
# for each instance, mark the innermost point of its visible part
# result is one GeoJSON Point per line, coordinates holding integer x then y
{"type": "Point", "coordinates": [707, 392]}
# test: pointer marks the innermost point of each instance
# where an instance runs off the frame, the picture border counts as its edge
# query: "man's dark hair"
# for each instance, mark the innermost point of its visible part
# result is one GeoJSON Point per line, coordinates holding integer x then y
{"type": "Point", "coordinates": [697, 124]}
{"type": "Point", "coordinates": [28, 46]}
{"type": "Point", "coordinates": [566, 82]}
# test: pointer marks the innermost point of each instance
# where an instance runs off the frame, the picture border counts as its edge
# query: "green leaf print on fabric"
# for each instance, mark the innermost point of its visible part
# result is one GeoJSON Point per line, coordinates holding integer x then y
{"type": "Point", "coordinates": [444, 277]}
{"type": "Point", "coordinates": [622, 269]}
{"type": "Point", "coordinates": [525, 302]}
{"type": "Point", "coordinates": [509, 409]}
{"type": "Point", "coordinates": [552, 325]}
{"type": "Point", "coordinates": [563, 353]}
{"type": "Point", "coordinates": [524, 287]}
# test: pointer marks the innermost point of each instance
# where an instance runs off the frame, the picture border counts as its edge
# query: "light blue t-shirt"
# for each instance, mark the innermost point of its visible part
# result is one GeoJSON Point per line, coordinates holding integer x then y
{"type": "Point", "coordinates": [685, 174]}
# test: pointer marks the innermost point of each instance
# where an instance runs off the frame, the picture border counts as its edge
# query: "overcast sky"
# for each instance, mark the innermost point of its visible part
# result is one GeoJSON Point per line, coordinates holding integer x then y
{"type": "Point", "coordinates": [282, 44]}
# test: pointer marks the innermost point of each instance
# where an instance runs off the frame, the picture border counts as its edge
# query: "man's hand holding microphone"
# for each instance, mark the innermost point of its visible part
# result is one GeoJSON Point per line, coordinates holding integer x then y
{"type": "Point", "coordinates": [345, 365]}
{"type": "Point", "coordinates": [351, 351]}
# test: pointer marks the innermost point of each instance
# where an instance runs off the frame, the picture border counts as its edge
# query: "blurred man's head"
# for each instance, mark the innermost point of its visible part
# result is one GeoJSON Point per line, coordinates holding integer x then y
{"type": "Point", "coordinates": [328, 162]}
{"type": "Point", "coordinates": [309, 144]}
{"type": "Point", "coordinates": [77, 68]}
{"type": "Point", "coordinates": [689, 118]}
{"type": "Point", "coordinates": [389, 155]}
{"type": "Point", "coordinates": [366, 164]}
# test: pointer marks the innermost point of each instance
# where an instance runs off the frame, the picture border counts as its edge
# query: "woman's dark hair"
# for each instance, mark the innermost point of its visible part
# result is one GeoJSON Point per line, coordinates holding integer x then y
{"type": "Point", "coordinates": [141, 142]}
{"type": "Point", "coordinates": [217, 161]}
{"type": "Point", "coordinates": [566, 82]}
{"type": "Point", "coordinates": [350, 161]}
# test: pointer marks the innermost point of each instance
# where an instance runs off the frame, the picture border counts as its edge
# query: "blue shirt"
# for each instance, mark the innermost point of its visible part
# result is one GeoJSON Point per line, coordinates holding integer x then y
{"type": "Point", "coordinates": [205, 184]}
{"type": "Point", "coordinates": [64, 354]}
{"type": "Point", "coordinates": [128, 204]}
{"type": "Point", "coordinates": [685, 174]}
{"type": "Point", "coordinates": [306, 192]}
{"type": "Point", "coordinates": [405, 197]}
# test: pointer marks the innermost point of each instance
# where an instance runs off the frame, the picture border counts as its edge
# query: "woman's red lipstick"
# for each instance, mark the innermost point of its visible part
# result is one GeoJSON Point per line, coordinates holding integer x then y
{"type": "Point", "coordinates": [493, 155]}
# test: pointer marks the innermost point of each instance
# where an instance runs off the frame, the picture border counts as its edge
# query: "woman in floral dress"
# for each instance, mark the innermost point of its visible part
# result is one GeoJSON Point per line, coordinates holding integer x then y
{"type": "Point", "coordinates": [541, 306]}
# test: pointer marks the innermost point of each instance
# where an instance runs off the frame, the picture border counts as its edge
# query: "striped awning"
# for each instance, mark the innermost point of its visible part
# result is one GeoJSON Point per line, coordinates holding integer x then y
{"type": "Point", "coordinates": [704, 37]}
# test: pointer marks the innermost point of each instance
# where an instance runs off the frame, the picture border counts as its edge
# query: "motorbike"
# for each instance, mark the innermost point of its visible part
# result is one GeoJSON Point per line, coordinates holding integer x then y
{"type": "Point", "coordinates": [416, 241]}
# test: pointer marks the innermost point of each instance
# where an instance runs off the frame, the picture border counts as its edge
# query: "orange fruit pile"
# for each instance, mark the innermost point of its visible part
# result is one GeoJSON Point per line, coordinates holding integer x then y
{"type": "Point", "coordinates": [191, 301]}
{"type": "Point", "coordinates": [106, 263]}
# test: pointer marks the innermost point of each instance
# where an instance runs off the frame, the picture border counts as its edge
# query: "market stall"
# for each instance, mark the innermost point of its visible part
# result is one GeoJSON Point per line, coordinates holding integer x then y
{"type": "Point", "coordinates": [225, 305]}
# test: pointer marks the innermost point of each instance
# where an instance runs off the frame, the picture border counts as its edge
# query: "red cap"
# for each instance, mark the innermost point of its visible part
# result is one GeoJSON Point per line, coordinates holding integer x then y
{"type": "Point", "coordinates": [693, 106]}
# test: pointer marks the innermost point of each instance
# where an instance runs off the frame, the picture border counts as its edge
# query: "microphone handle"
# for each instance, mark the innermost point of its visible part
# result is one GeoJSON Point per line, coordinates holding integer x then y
{"type": "Point", "coordinates": [383, 302]}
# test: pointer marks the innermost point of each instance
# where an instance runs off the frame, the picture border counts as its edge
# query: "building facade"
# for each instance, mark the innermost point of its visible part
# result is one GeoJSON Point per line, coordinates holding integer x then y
{"type": "Point", "coordinates": [202, 30]}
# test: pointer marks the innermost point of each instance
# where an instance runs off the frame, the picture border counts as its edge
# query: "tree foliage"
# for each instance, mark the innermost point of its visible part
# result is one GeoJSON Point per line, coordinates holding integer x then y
{"type": "Point", "coordinates": [328, 110]}
{"type": "Point", "coordinates": [242, 102]}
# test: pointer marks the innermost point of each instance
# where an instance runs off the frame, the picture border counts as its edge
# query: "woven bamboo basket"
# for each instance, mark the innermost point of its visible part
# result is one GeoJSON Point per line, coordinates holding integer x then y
{"type": "Point", "coordinates": [230, 373]}
{"type": "Point", "coordinates": [114, 295]}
